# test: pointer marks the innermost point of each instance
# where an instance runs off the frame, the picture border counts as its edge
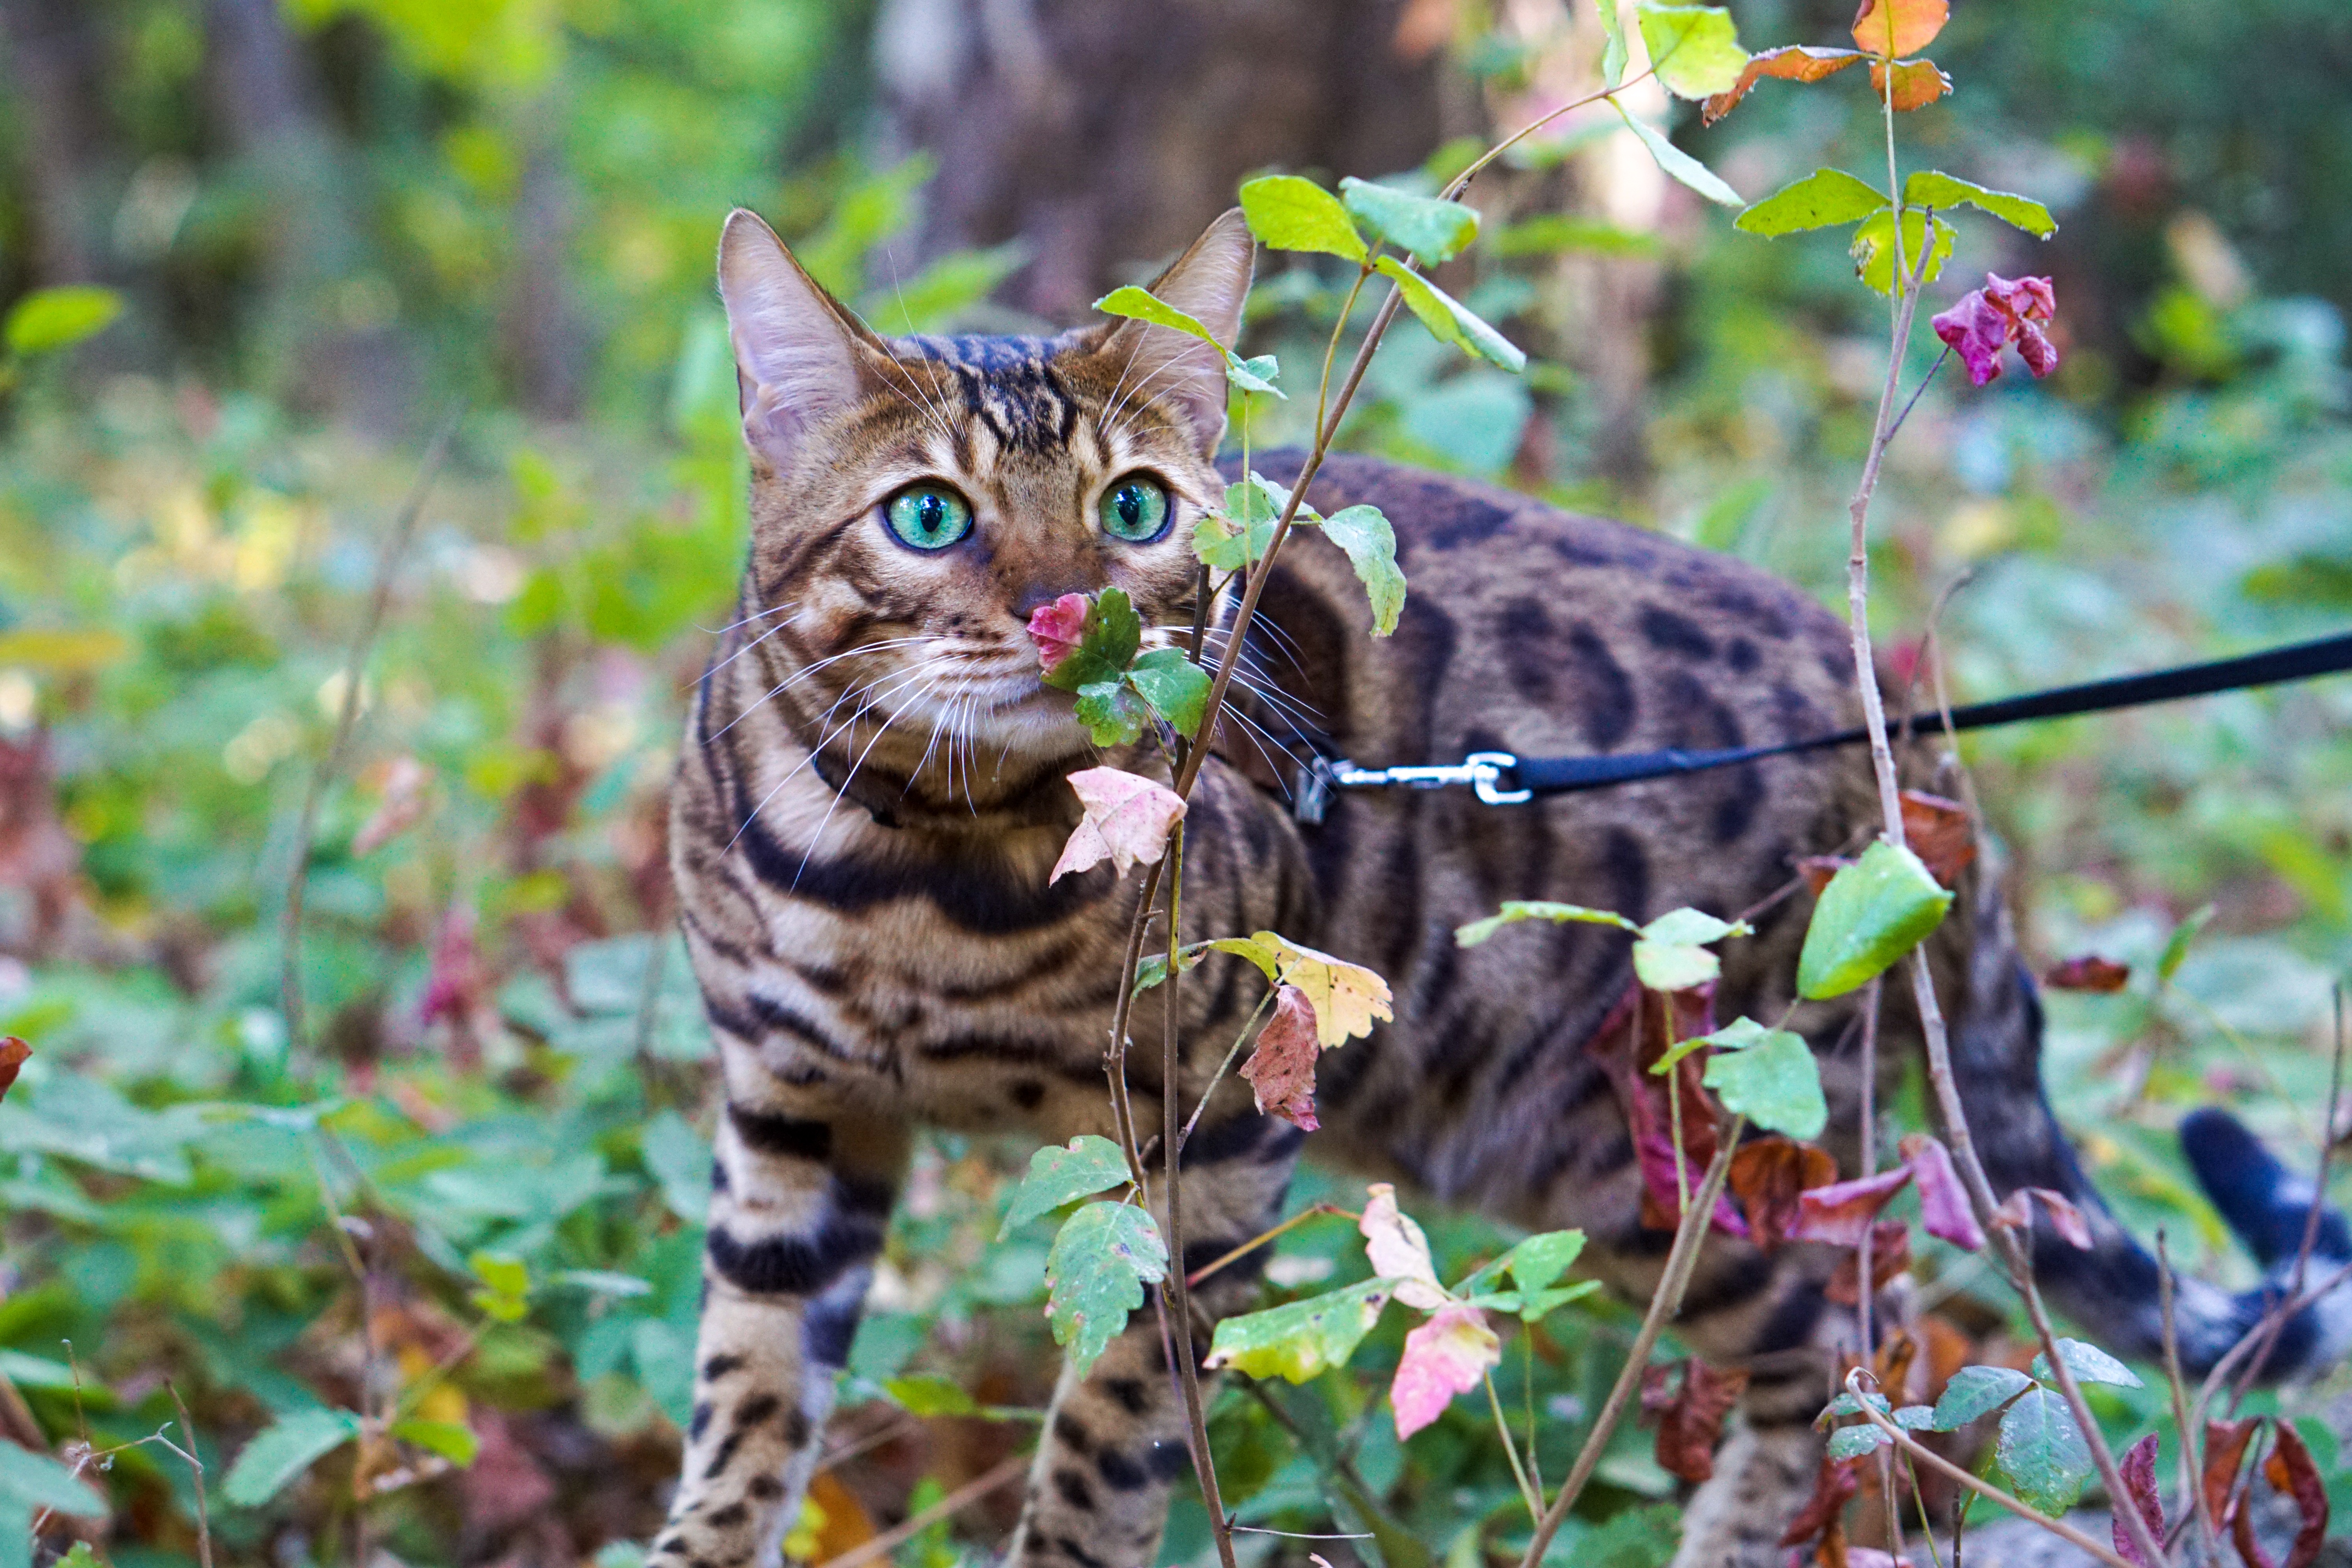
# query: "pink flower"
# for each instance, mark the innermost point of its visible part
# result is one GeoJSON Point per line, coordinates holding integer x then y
{"type": "Point", "coordinates": [2004, 311]}
{"type": "Point", "coordinates": [1056, 627]}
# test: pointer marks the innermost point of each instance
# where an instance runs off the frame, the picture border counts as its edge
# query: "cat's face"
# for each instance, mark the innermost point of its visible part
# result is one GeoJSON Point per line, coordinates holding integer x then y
{"type": "Point", "coordinates": [914, 500]}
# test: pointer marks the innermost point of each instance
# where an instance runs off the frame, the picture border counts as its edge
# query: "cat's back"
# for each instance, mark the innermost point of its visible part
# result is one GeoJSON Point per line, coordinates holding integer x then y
{"type": "Point", "coordinates": [1532, 631]}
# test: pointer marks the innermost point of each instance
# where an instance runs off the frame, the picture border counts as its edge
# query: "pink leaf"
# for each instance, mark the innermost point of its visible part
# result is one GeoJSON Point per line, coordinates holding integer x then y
{"type": "Point", "coordinates": [2064, 1217]}
{"type": "Point", "coordinates": [1398, 1250]}
{"type": "Point", "coordinates": [1975, 330]}
{"type": "Point", "coordinates": [1839, 1213]}
{"type": "Point", "coordinates": [1056, 627]}
{"type": "Point", "coordinates": [2041, 355]}
{"type": "Point", "coordinates": [1281, 1067]}
{"type": "Point", "coordinates": [2022, 299]}
{"type": "Point", "coordinates": [1943, 1202]}
{"type": "Point", "coordinates": [400, 809]}
{"type": "Point", "coordinates": [1445, 1356]}
{"type": "Point", "coordinates": [1127, 819]}
{"type": "Point", "coordinates": [458, 982]}
{"type": "Point", "coordinates": [2139, 1481]}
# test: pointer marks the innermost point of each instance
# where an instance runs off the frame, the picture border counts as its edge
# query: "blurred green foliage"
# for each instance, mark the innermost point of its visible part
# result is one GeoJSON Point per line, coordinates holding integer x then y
{"type": "Point", "coordinates": [508, 1067]}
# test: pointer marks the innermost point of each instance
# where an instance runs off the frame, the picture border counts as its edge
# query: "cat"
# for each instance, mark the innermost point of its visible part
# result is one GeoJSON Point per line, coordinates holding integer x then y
{"type": "Point", "coordinates": [872, 791]}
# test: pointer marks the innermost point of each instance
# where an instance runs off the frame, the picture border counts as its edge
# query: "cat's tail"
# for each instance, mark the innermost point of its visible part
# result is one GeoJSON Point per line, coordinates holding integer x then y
{"type": "Point", "coordinates": [2111, 1289]}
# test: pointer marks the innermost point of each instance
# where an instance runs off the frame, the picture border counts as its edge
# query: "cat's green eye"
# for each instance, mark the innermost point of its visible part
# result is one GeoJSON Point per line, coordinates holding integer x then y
{"type": "Point", "coordinates": [928, 517]}
{"type": "Point", "coordinates": [1136, 509]}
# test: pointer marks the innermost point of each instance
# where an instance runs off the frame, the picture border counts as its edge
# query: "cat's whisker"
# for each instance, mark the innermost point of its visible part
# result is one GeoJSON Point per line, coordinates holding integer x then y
{"type": "Point", "coordinates": [926, 404]}
{"type": "Point", "coordinates": [871, 695]}
{"type": "Point", "coordinates": [805, 672]}
{"type": "Point", "coordinates": [746, 620]}
{"type": "Point", "coordinates": [825, 821]}
{"type": "Point", "coordinates": [747, 647]}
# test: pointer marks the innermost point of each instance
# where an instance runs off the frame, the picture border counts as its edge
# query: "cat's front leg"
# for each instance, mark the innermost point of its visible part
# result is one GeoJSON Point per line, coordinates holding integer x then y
{"type": "Point", "coordinates": [1116, 1440]}
{"type": "Point", "coordinates": [799, 1205]}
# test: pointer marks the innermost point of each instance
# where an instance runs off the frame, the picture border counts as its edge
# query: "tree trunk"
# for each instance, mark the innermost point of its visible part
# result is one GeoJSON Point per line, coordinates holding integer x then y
{"type": "Point", "coordinates": [1106, 133]}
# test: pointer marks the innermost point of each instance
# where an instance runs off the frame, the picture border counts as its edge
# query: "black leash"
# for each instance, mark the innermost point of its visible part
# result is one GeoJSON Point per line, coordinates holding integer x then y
{"type": "Point", "coordinates": [1502, 779]}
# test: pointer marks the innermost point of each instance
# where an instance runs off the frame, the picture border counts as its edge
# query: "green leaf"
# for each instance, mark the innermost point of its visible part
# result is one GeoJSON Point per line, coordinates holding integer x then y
{"type": "Point", "coordinates": [453, 1440]}
{"type": "Point", "coordinates": [1291, 214]}
{"type": "Point", "coordinates": [930, 1396]}
{"type": "Point", "coordinates": [1853, 1442]}
{"type": "Point", "coordinates": [1821, 198]}
{"type": "Point", "coordinates": [1106, 643]}
{"type": "Point", "coordinates": [2177, 945]}
{"type": "Point", "coordinates": [1978, 1391]}
{"type": "Point", "coordinates": [1679, 163]}
{"type": "Point", "coordinates": [51, 319]}
{"type": "Point", "coordinates": [1433, 230]}
{"type": "Point", "coordinates": [1538, 1260]}
{"type": "Point", "coordinates": [1694, 49]}
{"type": "Point", "coordinates": [2089, 1364]}
{"type": "Point", "coordinates": [2042, 1452]}
{"type": "Point", "coordinates": [1874, 247]}
{"type": "Point", "coordinates": [1370, 544]}
{"type": "Point", "coordinates": [1928, 188]}
{"type": "Point", "coordinates": [1737, 1036]}
{"type": "Point", "coordinates": [1517, 910]}
{"type": "Point", "coordinates": [1244, 531]}
{"type": "Point", "coordinates": [1176, 689]}
{"type": "Point", "coordinates": [1549, 234]}
{"type": "Point", "coordinates": [501, 1271]}
{"type": "Point", "coordinates": [1095, 1275]}
{"type": "Point", "coordinates": [1612, 51]}
{"type": "Point", "coordinates": [1143, 305]}
{"type": "Point", "coordinates": [278, 1452]}
{"type": "Point", "coordinates": [1674, 965]}
{"type": "Point", "coordinates": [1301, 1339]}
{"type": "Point", "coordinates": [1916, 1418]}
{"type": "Point", "coordinates": [1774, 1082]}
{"type": "Point", "coordinates": [1689, 927]}
{"type": "Point", "coordinates": [38, 1482]}
{"type": "Point", "coordinates": [1448, 323]}
{"type": "Point", "coordinates": [1113, 715]}
{"type": "Point", "coordinates": [1847, 1405]}
{"type": "Point", "coordinates": [1153, 969]}
{"type": "Point", "coordinates": [1061, 1174]}
{"type": "Point", "coordinates": [1872, 914]}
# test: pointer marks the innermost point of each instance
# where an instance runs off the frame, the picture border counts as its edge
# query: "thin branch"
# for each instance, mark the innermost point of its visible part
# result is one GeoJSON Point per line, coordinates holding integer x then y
{"type": "Point", "coordinates": [880, 1548]}
{"type": "Point", "coordinates": [298, 875]}
{"type": "Point", "coordinates": [1665, 1301]}
{"type": "Point", "coordinates": [2192, 1462]}
{"type": "Point", "coordinates": [1262, 1237]}
{"type": "Point", "coordinates": [2057, 1527]}
{"type": "Point", "coordinates": [196, 1465]}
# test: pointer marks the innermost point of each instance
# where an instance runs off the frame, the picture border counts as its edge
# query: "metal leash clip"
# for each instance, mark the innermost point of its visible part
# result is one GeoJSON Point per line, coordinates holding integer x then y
{"type": "Point", "coordinates": [1482, 771]}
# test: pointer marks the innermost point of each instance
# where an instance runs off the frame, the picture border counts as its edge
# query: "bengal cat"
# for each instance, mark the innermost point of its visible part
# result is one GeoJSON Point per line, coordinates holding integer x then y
{"type": "Point", "coordinates": [872, 792]}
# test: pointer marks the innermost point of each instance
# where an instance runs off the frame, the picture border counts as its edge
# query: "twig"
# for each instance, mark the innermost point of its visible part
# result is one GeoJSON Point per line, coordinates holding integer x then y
{"type": "Point", "coordinates": [196, 1465]}
{"type": "Point", "coordinates": [1224, 1066]}
{"type": "Point", "coordinates": [1665, 1301]}
{"type": "Point", "coordinates": [298, 875]}
{"type": "Point", "coordinates": [1262, 1237]}
{"type": "Point", "coordinates": [1918, 390]}
{"type": "Point", "coordinates": [2057, 1527]}
{"type": "Point", "coordinates": [1528, 1493]}
{"type": "Point", "coordinates": [1869, 1167]}
{"type": "Point", "coordinates": [1400, 1546]}
{"type": "Point", "coordinates": [889, 1541]}
{"type": "Point", "coordinates": [2191, 1460]}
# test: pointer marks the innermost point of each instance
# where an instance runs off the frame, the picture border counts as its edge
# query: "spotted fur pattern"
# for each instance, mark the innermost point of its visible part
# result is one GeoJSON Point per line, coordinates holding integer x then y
{"type": "Point", "coordinates": [872, 793]}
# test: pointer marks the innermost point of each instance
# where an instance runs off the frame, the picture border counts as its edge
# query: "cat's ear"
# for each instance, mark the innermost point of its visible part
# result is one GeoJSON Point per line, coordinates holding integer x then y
{"type": "Point", "coordinates": [1208, 283]}
{"type": "Point", "coordinates": [799, 355]}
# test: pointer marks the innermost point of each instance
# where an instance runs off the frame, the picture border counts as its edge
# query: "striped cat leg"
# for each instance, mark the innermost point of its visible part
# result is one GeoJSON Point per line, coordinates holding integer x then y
{"type": "Point", "coordinates": [1116, 1438]}
{"type": "Point", "coordinates": [797, 1214]}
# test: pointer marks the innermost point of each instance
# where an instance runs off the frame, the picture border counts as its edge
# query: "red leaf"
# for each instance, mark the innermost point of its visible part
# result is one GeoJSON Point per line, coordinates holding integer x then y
{"type": "Point", "coordinates": [1690, 1416]}
{"type": "Point", "coordinates": [1795, 62]}
{"type": "Point", "coordinates": [2087, 972]}
{"type": "Point", "coordinates": [1833, 1488]}
{"type": "Point", "coordinates": [2225, 1446]}
{"type": "Point", "coordinates": [1918, 83]}
{"type": "Point", "coordinates": [1940, 832]}
{"type": "Point", "coordinates": [1633, 1037]}
{"type": "Point", "coordinates": [2004, 310]}
{"type": "Point", "coordinates": [1817, 870]}
{"type": "Point", "coordinates": [1766, 1174]}
{"type": "Point", "coordinates": [2022, 300]}
{"type": "Point", "coordinates": [1890, 1254]}
{"type": "Point", "coordinates": [2139, 1481]}
{"type": "Point", "coordinates": [1057, 628]}
{"type": "Point", "coordinates": [2241, 1533]}
{"type": "Point", "coordinates": [2290, 1470]}
{"type": "Point", "coordinates": [1891, 27]}
{"type": "Point", "coordinates": [1127, 819]}
{"type": "Point", "coordinates": [1943, 1202]}
{"type": "Point", "coordinates": [1281, 1067]}
{"type": "Point", "coordinates": [1837, 1214]}
{"type": "Point", "coordinates": [458, 982]}
{"type": "Point", "coordinates": [13, 1052]}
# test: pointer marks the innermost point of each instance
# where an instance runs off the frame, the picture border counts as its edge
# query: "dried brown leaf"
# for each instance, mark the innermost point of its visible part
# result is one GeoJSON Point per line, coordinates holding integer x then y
{"type": "Point", "coordinates": [1890, 1254]}
{"type": "Point", "coordinates": [1690, 1415]}
{"type": "Point", "coordinates": [2290, 1469]}
{"type": "Point", "coordinates": [14, 1053]}
{"type": "Point", "coordinates": [1766, 1174]}
{"type": "Point", "coordinates": [1281, 1066]}
{"type": "Point", "coordinates": [1891, 29]}
{"type": "Point", "coordinates": [2087, 972]}
{"type": "Point", "coordinates": [1940, 832]}
{"type": "Point", "coordinates": [1918, 83]}
{"type": "Point", "coordinates": [1796, 62]}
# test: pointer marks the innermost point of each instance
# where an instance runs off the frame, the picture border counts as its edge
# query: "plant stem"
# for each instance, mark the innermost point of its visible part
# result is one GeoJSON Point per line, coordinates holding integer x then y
{"type": "Point", "coordinates": [1224, 1066]}
{"type": "Point", "coordinates": [1311, 1211]}
{"type": "Point", "coordinates": [1665, 1301]}
{"type": "Point", "coordinates": [306, 828]}
{"type": "Point", "coordinates": [1868, 1290]}
{"type": "Point", "coordinates": [196, 1469]}
{"type": "Point", "coordinates": [2192, 1464]}
{"type": "Point", "coordinates": [1528, 1493]}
